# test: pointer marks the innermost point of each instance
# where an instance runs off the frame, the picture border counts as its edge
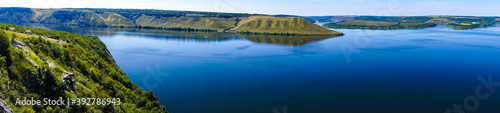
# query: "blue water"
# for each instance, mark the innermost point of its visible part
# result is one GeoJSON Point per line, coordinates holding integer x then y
{"type": "Point", "coordinates": [385, 71]}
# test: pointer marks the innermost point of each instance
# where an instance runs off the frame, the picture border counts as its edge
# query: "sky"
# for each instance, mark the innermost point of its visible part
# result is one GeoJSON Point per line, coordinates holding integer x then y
{"type": "Point", "coordinates": [292, 7]}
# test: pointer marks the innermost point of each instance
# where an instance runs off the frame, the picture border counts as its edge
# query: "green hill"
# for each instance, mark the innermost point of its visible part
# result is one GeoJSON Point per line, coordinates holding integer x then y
{"type": "Point", "coordinates": [124, 18]}
{"type": "Point", "coordinates": [281, 25]}
{"type": "Point", "coordinates": [467, 22]}
{"type": "Point", "coordinates": [285, 40]}
{"type": "Point", "coordinates": [413, 22]}
{"type": "Point", "coordinates": [65, 65]}
{"type": "Point", "coordinates": [365, 24]}
{"type": "Point", "coordinates": [166, 19]}
{"type": "Point", "coordinates": [213, 23]}
{"type": "Point", "coordinates": [61, 16]}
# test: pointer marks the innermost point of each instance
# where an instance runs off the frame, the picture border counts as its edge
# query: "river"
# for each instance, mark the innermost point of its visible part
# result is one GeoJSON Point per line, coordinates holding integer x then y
{"type": "Point", "coordinates": [389, 71]}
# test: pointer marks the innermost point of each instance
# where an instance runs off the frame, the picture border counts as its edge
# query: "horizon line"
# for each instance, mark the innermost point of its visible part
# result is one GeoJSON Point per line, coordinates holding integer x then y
{"type": "Point", "coordinates": [257, 13]}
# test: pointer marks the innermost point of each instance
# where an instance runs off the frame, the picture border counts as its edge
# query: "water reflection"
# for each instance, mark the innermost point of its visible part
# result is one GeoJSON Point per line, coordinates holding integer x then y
{"type": "Point", "coordinates": [178, 35]}
{"type": "Point", "coordinates": [285, 40]}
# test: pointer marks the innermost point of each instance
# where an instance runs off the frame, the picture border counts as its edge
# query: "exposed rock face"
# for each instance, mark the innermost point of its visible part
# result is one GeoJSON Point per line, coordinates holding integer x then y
{"type": "Point", "coordinates": [55, 16]}
{"type": "Point", "coordinates": [18, 14]}
{"type": "Point", "coordinates": [4, 108]}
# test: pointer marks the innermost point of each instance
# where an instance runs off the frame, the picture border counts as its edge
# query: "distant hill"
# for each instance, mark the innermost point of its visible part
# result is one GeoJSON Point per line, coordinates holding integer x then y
{"type": "Point", "coordinates": [330, 18]}
{"type": "Point", "coordinates": [19, 14]}
{"type": "Point", "coordinates": [410, 22]}
{"type": "Point", "coordinates": [165, 19]}
{"type": "Point", "coordinates": [281, 25]}
{"type": "Point", "coordinates": [123, 18]}
{"type": "Point", "coordinates": [60, 16]}
{"type": "Point", "coordinates": [186, 22]}
{"type": "Point", "coordinates": [366, 24]}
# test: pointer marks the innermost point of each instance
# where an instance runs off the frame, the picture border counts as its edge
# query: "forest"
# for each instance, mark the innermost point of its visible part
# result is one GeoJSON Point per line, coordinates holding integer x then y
{"type": "Point", "coordinates": [357, 24]}
{"type": "Point", "coordinates": [37, 66]}
{"type": "Point", "coordinates": [133, 14]}
{"type": "Point", "coordinates": [413, 22]}
{"type": "Point", "coordinates": [470, 22]}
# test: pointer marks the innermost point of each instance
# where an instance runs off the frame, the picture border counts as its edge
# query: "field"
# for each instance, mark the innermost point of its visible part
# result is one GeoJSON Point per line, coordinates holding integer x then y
{"type": "Point", "coordinates": [384, 22]}
{"type": "Point", "coordinates": [443, 21]}
{"type": "Point", "coordinates": [470, 22]}
{"type": "Point", "coordinates": [367, 23]}
{"type": "Point", "coordinates": [364, 24]}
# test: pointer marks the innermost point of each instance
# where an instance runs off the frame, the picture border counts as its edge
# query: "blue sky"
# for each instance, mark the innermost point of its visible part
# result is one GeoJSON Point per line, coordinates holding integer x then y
{"type": "Point", "coordinates": [294, 7]}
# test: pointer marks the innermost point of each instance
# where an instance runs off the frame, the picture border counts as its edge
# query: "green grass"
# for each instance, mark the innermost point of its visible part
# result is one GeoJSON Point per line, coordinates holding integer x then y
{"type": "Point", "coordinates": [212, 23]}
{"type": "Point", "coordinates": [439, 20]}
{"type": "Point", "coordinates": [366, 24]}
{"type": "Point", "coordinates": [465, 22]}
{"type": "Point", "coordinates": [113, 19]}
{"type": "Point", "coordinates": [96, 73]}
{"type": "Point", "coordinates": [414, 22]}
{"type": "Point", "coordinates": [282, 25]}
{"type": "Point", "coordinates": [166, 19]}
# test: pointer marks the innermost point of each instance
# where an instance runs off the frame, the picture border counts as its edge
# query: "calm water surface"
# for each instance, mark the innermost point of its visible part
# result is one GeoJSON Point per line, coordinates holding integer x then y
{"type": "Point", "coordinates": [386, 71]}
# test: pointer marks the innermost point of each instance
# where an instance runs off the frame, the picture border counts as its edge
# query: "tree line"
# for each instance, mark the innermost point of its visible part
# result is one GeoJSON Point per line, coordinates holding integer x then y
{"type": "Point", "coordinates": [133, 14]}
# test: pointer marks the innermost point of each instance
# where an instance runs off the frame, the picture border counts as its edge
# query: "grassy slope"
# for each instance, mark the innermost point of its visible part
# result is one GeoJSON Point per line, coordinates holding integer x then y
{"type": "Point", "coordinates": [61, 16]}
{"type": "Point", "coordinates": [96, 74]}
{"type": "Point", "coordinates": [113, 19]}
{"type": "Point", "coordinates": [367, 23]}
{"type": "Point", "coordinates": [292, 25]}
{"type": "Point", "coordinates": [371, 22]}
{"type": "Point", "coordinates": [470, 22]}
{"type": "Point", "coordinates": [442, 21]}
{"type": "Point", "coordinates": [110, 19]}
{"type": "Point", "coordinates": [213, 23]}
{"type": "Point", "coordinates": [17, 14]}
{"type": "Point", "coordinates": [87, 17]}
{"type": "Point", "coordinates": [375, 22]}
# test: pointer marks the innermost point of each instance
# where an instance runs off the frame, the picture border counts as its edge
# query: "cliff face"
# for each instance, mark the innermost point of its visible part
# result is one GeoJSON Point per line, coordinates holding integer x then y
{"type": "Point", "coordinates": [4, 108]}
{"type": "Point", "coordinates": [48, 64]}
{"type": "Point", "coordinates": [19, 14]}
{"type": "Point", "coordinates": [51, 16]}
{"type": "Point", "coordinates": [186, 22]}
{"type": "Point", "coordinates": [110, 19]}
{"type": "Point", "coordinates": [159, 19]}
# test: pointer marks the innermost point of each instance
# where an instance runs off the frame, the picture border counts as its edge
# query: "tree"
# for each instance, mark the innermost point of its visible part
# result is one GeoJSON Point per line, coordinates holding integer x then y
{"type": "Point", "coordinates": [4, 48]}
{"type": "Point", "coordinates": [4, 44]}
{"type": "Point", "coordinates": [2, 62]}
{"type": "Point", "coordinates": [14, 36]}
